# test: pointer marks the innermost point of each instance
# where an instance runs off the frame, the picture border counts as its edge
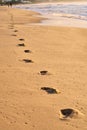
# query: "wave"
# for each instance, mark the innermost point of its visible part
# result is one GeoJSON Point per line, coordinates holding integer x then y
{"type": "Point", "coordinates": [70, 16]}
{"type": "Point", "coordinates": [68, 10]}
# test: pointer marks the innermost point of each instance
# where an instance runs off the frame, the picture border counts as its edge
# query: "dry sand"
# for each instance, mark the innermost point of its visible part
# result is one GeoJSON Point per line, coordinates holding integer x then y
{"type": "Point", "coordinates": [62, 51]}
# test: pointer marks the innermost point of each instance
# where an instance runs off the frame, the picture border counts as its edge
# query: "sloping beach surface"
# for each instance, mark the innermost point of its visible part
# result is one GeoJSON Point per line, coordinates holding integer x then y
{"type": "Point", "coordinates": [62, 51]}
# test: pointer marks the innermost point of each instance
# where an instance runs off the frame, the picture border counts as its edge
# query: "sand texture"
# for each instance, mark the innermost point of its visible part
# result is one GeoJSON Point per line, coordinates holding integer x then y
{"type": "Point", "coordinates": [59, 51]}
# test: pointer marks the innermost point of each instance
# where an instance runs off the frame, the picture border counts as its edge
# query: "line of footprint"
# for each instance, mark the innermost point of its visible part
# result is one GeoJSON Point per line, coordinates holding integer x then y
{"type": "Point", "coordinates": [63, 113]}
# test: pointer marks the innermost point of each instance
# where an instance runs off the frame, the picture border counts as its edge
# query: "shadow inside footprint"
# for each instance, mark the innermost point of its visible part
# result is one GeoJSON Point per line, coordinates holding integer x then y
{"type": "Point", "coordinates": [44, 72]}
{"type": "Point", "coordinates": [15, 30]}
{"type": "Point", "coordinates": [69, 112]}
{"type": "Point", "coordinates": [49, 90]}
{"type": "Point", "coordinates": [14, 35]}
{"type": "Point", "coordinates": [21, 39]}
{"type": "Point", "coordinates": [27, 61]}
{"type": "Point", "coordinates": [11, 28]}
{"type": "Point", "coordinates": [27, 51]}
{"type": "Point", "coordinates": [21, 44]}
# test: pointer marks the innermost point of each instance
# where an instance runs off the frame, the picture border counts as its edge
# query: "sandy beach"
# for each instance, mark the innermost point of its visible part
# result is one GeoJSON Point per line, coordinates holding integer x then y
{"type": "Point", "coordinates": [62, 51]}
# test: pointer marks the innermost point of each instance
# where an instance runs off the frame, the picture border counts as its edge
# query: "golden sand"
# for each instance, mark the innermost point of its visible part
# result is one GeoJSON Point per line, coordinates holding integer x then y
{"type": "Point", "coordinates": [62, 52]}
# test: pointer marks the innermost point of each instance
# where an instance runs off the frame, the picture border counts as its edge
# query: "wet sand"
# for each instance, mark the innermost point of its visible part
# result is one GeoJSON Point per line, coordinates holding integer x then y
{"type": "Point", "coordinates": [62, 52]}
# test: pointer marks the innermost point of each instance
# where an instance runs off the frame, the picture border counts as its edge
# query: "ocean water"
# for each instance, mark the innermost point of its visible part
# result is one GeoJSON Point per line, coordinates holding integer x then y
{"type": "Point", "coordinates": [74, 10]}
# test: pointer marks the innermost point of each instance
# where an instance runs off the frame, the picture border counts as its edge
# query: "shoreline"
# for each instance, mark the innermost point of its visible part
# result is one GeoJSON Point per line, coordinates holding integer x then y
{"type": "Point", "coordinates": [61, 19]}
{"type": "Point", "coordinates": [61, 22]}
{"type": "Point", "coordinates": [62, 51]}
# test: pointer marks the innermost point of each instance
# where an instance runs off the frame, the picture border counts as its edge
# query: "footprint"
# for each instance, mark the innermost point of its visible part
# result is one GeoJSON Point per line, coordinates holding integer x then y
{"type": "Point", "coordinates": [21, 39]}
{"type": "Point", "coordinates": [44, 72]}
{"type": "Point", "coordinates": [11, 27]}
{"type": "Point", "coordinates": [69, 113]}
{"type": "Point", "coordinates": [49, 90]}
{"type": "Point", "coordinates": [15, 30]}
{"type": "Point", "coordinates": [27, 51]}
{"type": "Point", "coordinates": [27, 61]}
{"type": "Point", "coordinates": [21, 44]}
{"type": "Point", "coordinates": [14, 35]}
{"type": "Point", "coordinates": [26, 123]}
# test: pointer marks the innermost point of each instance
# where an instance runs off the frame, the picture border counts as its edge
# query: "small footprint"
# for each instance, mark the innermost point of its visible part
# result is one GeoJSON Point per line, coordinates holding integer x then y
{"type": "Point", "coordinates": [14, 35]}
{"type": "Point", "coordinates": [15, 30]}
{"type": "Point", "coordinates": [49, 90]}
{"type": "Point", "coordinates": [27, 51]}
{"type": "Point", "coordinates": [21, 39]}
{"type": "Point", "coordinates": [27, 61]}
{"type": "Point", "coordinates": [21, 44]}
{"type": "Point", "coordinates": [44, 72]}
